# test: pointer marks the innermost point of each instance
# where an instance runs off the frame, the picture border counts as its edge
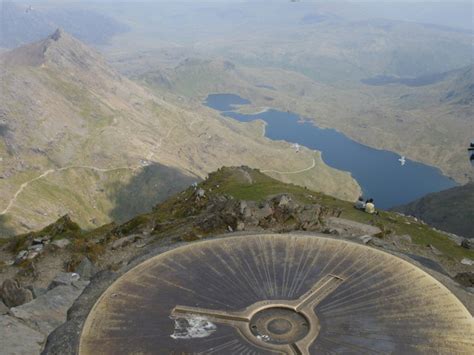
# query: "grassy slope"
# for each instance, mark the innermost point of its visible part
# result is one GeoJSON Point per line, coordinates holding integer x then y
{"type": "Point", "coordinates": [232, 182]}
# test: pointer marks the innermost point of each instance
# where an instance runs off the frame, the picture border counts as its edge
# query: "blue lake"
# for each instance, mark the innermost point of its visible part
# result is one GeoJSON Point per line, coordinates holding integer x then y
{"type": "Point", "coordinates": [378, 172]}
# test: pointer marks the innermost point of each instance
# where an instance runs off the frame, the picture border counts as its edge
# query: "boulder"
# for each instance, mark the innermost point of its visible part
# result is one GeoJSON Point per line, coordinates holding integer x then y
{"type": "Point", "coordinates": [380, 243]}
{"type": "Point", "coordinates": [334, 231]}
{"type": "Point", "coordinates": [200, 193]}
{"type": "Point", "coordinates": [283, 200]}
{"type": "Point", "coordinates": [13, 294]}
{"type": "Point", "coordinates": [49, 311]}
{"type": "Point", "coordinates": [263, 212]}
{"type": "Point", "coordinates": [17, 338]}
{"type": "Point", "coordinates": [352, 227]}
{"type": "Point", "coordinates": [123, 242]}
{"type": "Point", "coordinates": [61, 243]}
{"type": "Point", "coordinates": [244, 209]}
{"type": "Point", "coordinates": [467, 243]}
{"type": "Point", "coordinates": [86, 269]}
{"type": "Point", "coordinates": [365, 239]}
{"type": "Point", "coordinates": [467, 261]}
{"type": "Point", "coordinates": [240, 226]}
{"type": "Point", "coordinates": [36, 247]}
{"type": "Point", "coordinates": [37, 291]}
{"type": "Point", "coordinates": [32, 255]}
{"type": "Point", "coordinates": [465, 278]}
{"type": "Point", "coordinates": [21, 256]}
{"type": "Point", "coordinates": [3, 309]}
{"type": "Point", "coordinates": [64, 279]}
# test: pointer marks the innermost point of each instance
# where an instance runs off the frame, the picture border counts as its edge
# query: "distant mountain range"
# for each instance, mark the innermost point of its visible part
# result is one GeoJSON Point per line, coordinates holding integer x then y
{"type": "Point", "coordinates": [79, 138]}
{"type": "Point", "coordinates": [451, 210]}
{"type": "Point", "coordinates": [22, 23]}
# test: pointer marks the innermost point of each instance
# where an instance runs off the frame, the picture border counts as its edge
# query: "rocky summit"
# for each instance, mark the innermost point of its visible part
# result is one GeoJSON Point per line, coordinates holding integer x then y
{"type": "Point", "coordinates": [44, 273]}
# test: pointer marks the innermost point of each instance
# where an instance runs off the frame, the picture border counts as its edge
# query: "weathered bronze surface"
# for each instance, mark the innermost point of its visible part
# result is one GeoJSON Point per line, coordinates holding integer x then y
{"type": "Point", "coordinates": [277, 294]}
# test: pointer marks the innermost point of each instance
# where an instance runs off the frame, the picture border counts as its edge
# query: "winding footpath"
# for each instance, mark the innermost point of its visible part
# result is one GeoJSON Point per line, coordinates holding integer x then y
{"type": "Point", "coordinates": [102, 170]}
{"type": "Point", "coordinates": [51, 171]}
{"type": "Point", "coordinates": [291, 172]}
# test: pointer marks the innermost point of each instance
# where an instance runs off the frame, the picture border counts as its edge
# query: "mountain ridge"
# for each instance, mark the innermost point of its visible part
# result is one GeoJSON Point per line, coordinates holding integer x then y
{"type": "Point", "coordinates": [450, 210]}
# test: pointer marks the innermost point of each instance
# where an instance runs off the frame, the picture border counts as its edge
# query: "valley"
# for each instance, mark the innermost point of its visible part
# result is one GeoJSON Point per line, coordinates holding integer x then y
{"type": "Point", "coordinates": [81, 139]}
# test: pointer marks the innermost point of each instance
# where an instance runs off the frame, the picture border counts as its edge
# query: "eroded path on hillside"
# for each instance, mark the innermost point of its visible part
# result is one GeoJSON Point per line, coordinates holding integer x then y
{"type": "Point", "coordinates": [292, 172]}
{"type": "Point", "coordinates": [102, 170]}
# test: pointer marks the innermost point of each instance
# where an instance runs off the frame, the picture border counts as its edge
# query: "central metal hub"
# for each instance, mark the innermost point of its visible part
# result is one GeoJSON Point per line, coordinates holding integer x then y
{"type": "Point", "coordinates": [279, 325]}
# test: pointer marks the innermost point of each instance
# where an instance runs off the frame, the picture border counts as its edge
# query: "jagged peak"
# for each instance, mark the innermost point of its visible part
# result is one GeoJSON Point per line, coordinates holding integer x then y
{"type": "Point", "coordinates": [58, 45]}
{"type": "Point", "coordinates": [57, 35]}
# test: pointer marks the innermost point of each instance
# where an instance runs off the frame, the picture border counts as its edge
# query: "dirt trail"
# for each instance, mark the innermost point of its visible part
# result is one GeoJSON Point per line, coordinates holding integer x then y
{"type": "Point", "coordinates": [292, 172]}
{"type": "Point", "coordinates": [102, 170]}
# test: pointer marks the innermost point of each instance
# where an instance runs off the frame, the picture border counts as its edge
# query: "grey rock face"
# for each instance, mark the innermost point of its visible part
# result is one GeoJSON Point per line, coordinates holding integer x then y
{"type": "Point", "coordinates": [61, 243]}
{"type": "Point", "coordinates": [17, 338]}
{"type": "Point", "coordinates": [123, 242]}
{"type": "Point", "coordinates": [36, 291]}
{"type": "Point", "coordinates": [64, 279]}
{"type": "Point", "coordinates": [3, 309]}
{"type": "Point", "coordinates": [65, 340]}
{"type": "Point", "coordinates": [263, 212]}
{"type": "Point", "coordinates": [365, 239]}
{"type": "Point", "coordinates": [283, 200]}
{"type": "Point", "coordinates": [86, 269]}
{"type": "Point", "coordinates": [49, 311]}
{"type": "Point", "coordinates": [468, 243]}
{"type": "Point", "coordinates": [13, 294]}
{"type": "Point", "coordinates": [353, 227]}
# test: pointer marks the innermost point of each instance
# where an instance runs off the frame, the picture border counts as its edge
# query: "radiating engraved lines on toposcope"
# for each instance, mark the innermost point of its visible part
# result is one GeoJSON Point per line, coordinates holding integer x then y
{"type": "Point", "coordinates": [287, 326]}
{"type": "Point", "coordinates": [286, 294]}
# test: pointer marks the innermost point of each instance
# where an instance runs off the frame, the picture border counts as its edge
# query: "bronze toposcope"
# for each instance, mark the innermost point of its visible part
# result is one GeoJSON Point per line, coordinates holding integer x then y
{"type": "Point", "coordinates": [277, 294]}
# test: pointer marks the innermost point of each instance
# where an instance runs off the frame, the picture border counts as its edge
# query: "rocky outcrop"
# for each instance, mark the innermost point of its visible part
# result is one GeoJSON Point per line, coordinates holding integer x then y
{"type": "Point", "coordinates": [25, 326]}
{"type": "Point", "coordinates": [13, 294]}
{"type": "Point", "coordinates": [48, 311]}
{"type": "Point", "coordinates": [280, 214]}
{"type": "Point", "coordinates": [466, 279]}
{"type": "Point", "coordinates": [17, 338]}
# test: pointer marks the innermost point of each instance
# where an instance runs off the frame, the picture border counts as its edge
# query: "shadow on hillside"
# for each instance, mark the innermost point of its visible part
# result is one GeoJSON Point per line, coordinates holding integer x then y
{"type": "Point", "coordinates": [5, 231]}
{"type": "Point", "coordinates": [151, 186]}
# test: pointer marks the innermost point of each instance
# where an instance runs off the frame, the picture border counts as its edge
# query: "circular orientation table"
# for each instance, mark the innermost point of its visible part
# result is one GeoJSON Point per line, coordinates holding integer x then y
{"type": "Point", "coordinates": [277, 294]}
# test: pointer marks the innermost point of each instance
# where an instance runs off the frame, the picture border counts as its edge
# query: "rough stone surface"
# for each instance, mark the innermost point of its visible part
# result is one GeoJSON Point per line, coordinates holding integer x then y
{"type": "Point", "coordinates": [467, 261]}
{"type": "Point", "coordinates": [380, 243]}
{"type": "Point", "coordinates": [122, 242]}
{"type": "Point", "coordinates": [465, 278]}
{"type": "Point", "coordinates": [37, 291]}
{"type": "Point", "coordinates": [3, 309]}
{"type": "Point", "coordinates": [13, 294]}
{"type": "Point", "coordinates": [64, 279]}
{"type": "Point", "coordinates": [61, 243]}
{"type": "Point", "coordinates": [365, 239]}
{"type": "Point", "coordinates": [468, 243]}
{"type": "Point", "coordinates": [86, 269]}
{"type": "Point", "coordinates": [352, 227]}
{"type": "Point", "coordinates": [18, 339]}
{"type": "Point", "coordinates": [48, 311]}
{"type": "Point", "coordinates": [65, 340]}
